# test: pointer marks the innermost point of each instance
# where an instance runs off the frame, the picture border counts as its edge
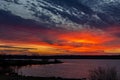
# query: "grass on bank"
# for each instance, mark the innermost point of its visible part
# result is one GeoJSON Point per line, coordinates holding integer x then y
{"type": "Point", "coordinates": [102, 73]}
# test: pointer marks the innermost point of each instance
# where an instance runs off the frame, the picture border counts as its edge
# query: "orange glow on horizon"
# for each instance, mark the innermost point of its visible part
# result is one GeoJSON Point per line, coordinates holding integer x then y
{"type": "Point", "coordinates": [79, 41]}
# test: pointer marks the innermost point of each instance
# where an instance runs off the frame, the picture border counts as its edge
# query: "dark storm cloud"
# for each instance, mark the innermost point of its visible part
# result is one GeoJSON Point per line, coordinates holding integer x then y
{"type": "Point", "coordinates": [95, 13]}
{"type": "Point", "coordinates": [100, 14]}
{"type": "Point", "coordinates": [8, 19]}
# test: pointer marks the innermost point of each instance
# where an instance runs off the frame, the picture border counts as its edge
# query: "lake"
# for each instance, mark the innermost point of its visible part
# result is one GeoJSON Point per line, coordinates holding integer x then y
{"type": "Point", "coordinates": [71, 68]}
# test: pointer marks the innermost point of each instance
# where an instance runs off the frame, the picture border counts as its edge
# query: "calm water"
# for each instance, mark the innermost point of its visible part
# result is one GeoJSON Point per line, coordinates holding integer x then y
{"type": "Point", "coordinates": [75, 68]}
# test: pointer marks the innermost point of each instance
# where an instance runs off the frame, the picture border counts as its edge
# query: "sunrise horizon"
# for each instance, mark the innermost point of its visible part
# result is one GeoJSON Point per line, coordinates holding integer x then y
{"type": "Point", "coordinates": [59, 39]}
{"type": "Point", "coordinates": [58, 34]}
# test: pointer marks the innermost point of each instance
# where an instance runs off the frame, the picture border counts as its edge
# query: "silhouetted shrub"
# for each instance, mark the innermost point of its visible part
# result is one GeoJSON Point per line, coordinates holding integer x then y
{"type": "Point", "coordinates": [102, 73]}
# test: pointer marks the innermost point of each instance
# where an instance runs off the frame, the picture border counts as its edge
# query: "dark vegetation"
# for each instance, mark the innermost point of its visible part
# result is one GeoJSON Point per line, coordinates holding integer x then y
{"type": "Point", "coordinates": [103, 74]}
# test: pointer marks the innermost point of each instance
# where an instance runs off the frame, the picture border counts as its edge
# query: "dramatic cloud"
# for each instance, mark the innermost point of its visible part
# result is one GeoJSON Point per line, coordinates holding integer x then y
{"type": "Point", "coordinates": [59, 27]}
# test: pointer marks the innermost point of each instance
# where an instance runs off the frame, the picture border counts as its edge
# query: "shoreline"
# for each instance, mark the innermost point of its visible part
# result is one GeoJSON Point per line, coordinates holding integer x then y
{"type": "Point", "coordinates": [10, 62]}
{"type": "Point", "coordinates": [60, 57]}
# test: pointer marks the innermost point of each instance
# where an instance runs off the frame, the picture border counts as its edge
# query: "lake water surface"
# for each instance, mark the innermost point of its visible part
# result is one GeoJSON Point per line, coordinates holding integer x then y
{"type": "Point", "coordinates": [71, 68]}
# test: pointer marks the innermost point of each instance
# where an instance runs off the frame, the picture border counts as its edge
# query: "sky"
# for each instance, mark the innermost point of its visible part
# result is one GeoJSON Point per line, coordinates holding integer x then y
{"type": "Point", "coordinates": [59, 28]}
